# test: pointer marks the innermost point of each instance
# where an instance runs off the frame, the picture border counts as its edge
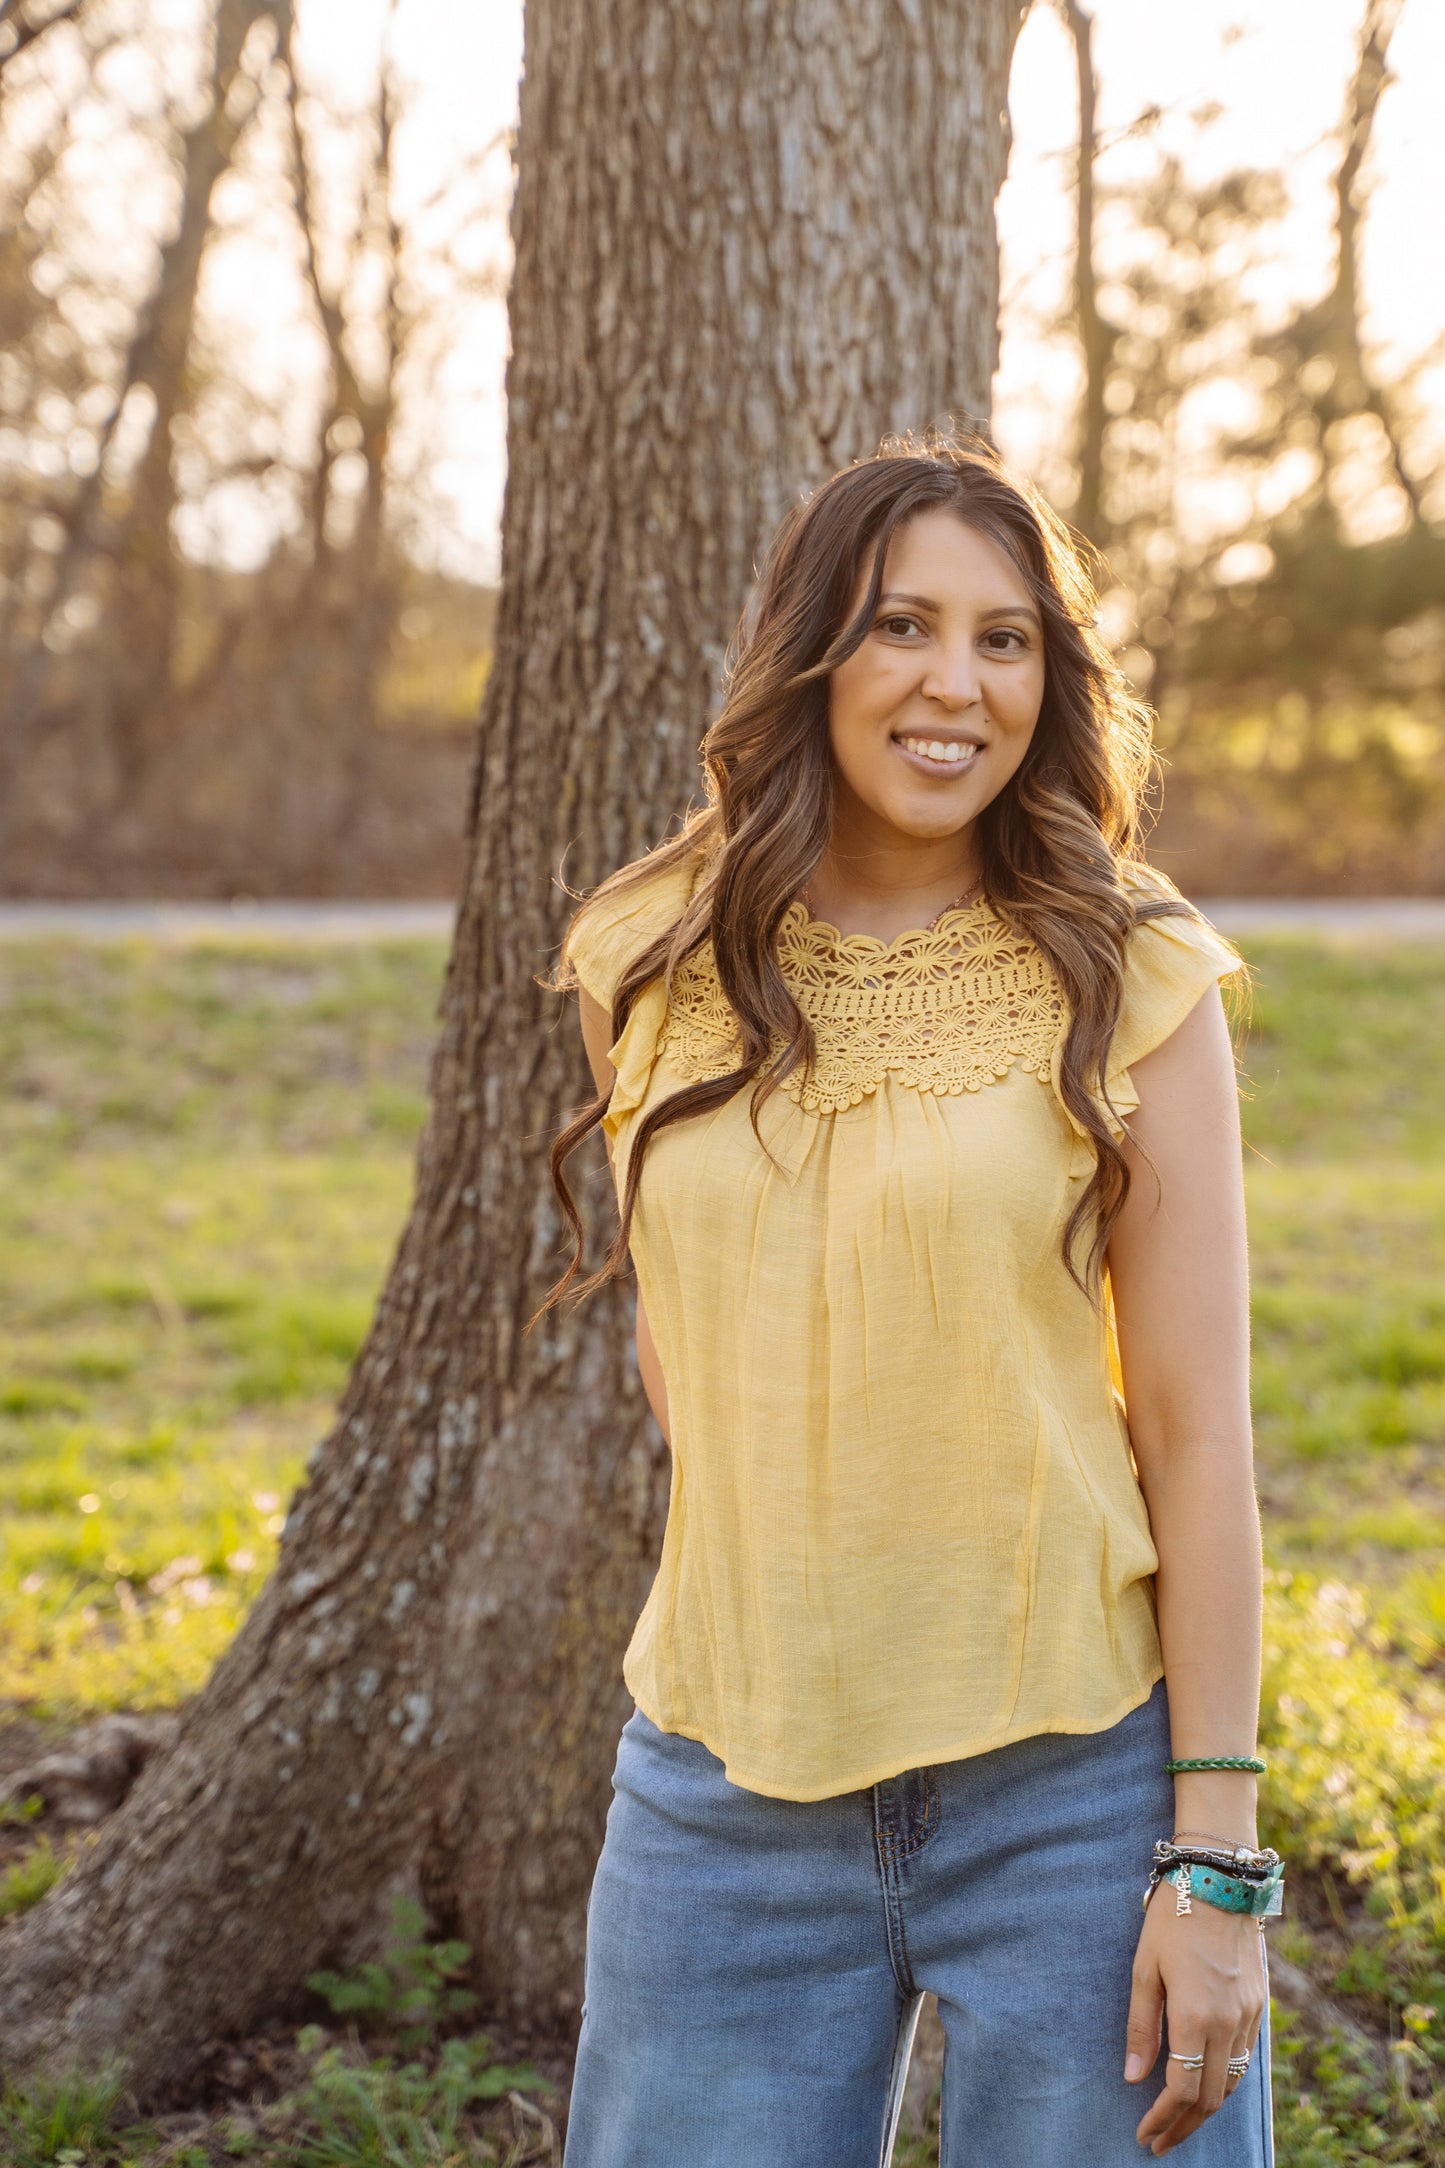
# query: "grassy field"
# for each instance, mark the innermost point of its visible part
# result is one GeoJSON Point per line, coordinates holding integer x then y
{"type": "Point", "coordinates": [206, 1159]}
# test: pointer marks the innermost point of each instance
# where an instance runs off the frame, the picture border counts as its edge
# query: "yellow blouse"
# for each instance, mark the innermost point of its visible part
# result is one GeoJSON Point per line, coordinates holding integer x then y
{"type": "Point", "coordinates": [905, 1524]}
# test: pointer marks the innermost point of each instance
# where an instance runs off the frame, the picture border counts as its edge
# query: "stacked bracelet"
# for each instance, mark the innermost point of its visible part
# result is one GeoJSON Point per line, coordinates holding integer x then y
{"type": "Point", "coordinates": [1233, 1856]}
{"type": "Point", "coordinates": [1234, 1878]}
{"type": "Point", "coordinates": [1229, 1893]}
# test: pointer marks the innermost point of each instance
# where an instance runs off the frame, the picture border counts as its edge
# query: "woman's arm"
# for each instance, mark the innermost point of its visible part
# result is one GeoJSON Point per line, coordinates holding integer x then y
{"type": "Point", "coordinates": [597, 1038]}
{"type": "Point", "coordinates": [1178, 1266]}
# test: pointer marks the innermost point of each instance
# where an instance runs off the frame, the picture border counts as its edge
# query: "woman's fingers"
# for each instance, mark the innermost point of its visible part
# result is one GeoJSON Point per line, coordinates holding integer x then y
{"type": "Point", "coordinates": [1212, 2003]}
{"type": "Point", "coordinates": [1246, 2038]}
{"type": "Point", "coordinates": [1182, 2088]}
{"type": "Point", "coordinates": [1247, 2032]}
{"type": "Point", "coordinates": [1146, 2011]}
{"type": "Point", "coordinates": [1191, 2092]}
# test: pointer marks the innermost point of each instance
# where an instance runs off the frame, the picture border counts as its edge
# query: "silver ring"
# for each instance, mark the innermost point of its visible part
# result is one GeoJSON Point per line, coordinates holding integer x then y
{"type": "Point", "coordinates": [1190, 2062]}
{"type": "Point", "coordinates": [1238, 2064]}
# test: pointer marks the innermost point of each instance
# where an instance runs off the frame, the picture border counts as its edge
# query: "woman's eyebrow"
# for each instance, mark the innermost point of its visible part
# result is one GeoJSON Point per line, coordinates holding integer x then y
{"type": "Point", "coordinates": [1002, 609]}
{"type": "Point", "coordinates": [1015, 609]}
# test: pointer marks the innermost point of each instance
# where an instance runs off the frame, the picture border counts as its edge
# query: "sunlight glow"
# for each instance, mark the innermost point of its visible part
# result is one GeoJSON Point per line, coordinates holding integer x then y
{"type": "Point", "coordinates": [1229, 83]}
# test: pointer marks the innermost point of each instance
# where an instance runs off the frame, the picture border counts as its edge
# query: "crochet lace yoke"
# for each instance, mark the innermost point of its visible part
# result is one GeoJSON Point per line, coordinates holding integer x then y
{"type": "Point", "coordinates": [945, 1011]}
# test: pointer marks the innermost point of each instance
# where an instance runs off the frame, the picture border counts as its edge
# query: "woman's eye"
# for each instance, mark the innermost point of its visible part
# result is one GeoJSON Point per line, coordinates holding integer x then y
{"type": "Point", "coordinates": [896, 627]}
{"type": "Point", "coordinates": [1004, 639]}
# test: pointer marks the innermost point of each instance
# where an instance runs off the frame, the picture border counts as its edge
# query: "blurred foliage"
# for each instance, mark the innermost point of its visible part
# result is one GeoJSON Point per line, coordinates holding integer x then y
{"type": "Point", "coordinates": [346, 2110]}
{"type": "Point", "coordinates": [1268, 501]}
{"type": "Point", "coordinates": [27, 1879]}
{"type": "Point", "coordinates": [212, 601]}
{"type": "Point", "coordinates": [1270, 510]}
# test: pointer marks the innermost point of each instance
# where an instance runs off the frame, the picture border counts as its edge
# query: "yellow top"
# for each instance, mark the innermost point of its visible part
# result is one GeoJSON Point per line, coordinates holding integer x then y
{"type": "Point", "coordinates": [905, 1524]}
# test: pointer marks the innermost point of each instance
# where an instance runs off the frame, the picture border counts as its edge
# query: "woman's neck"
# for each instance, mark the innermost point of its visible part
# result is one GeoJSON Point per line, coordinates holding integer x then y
{"type": "Point", "coordinates": [891, 885]}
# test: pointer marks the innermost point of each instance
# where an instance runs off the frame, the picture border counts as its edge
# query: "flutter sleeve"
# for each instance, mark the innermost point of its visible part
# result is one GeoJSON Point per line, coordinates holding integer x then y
{"type": "Point", "coordinates": [589, 954]}
{"type": "Point", "coordinates": [1172, 962]}
{"type": "Point", "coordinates": [608, 932]}
{"type": "Point", "coordinates": [610, 929]}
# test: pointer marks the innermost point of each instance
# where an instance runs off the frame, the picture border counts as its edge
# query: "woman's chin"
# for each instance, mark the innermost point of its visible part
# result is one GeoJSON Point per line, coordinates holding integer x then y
{"type": "Point", "coordinates": [932, 822]}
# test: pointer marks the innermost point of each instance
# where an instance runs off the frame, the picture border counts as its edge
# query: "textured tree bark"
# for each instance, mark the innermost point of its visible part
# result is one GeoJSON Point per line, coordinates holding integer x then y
{"type": "Point", "coordinates": [749, 240]}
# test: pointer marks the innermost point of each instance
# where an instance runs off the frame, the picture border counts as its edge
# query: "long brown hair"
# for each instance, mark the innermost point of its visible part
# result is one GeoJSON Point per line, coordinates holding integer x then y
{"type": "Point", "coordinates": [1052, 841]}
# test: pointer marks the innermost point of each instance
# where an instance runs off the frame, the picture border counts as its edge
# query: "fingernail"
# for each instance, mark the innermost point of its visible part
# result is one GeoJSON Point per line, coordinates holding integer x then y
{"type": "Point", "coordinates": [1134, 2067]}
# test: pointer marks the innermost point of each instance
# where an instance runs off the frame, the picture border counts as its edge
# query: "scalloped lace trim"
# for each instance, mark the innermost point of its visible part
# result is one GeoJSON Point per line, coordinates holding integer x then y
{"type": "Point", "coordinates": [944, 1011]}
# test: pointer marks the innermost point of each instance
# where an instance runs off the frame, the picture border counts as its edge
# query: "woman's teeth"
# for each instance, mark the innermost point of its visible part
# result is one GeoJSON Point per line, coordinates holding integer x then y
{"type": "Point", "coordinates": [948, 756]}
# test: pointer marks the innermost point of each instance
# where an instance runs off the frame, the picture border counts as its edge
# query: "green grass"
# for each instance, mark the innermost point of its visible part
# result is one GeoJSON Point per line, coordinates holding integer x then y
{"type": "Point", "coordinates": [64, 2119]}
{"type": "Point", "coordinates": [205, 1159]}
{"type": "Point", "coordinates": [427, 2100]}
{"type": "Point", "coordinates": [1345, 1125]}
{"type": "Point", "coordinates": [452, 2106]}
{"type": "Point", "coordinates": [27, 1879]}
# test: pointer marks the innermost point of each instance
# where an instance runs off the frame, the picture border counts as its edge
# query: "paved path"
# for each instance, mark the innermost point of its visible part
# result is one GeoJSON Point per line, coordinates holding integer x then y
{"type": "Point", "coordinates": [1363, 918]}
{"type": "Point", "coordinates": [182, 922]}
{"type": "Point", "coordinates": [1390, 918]}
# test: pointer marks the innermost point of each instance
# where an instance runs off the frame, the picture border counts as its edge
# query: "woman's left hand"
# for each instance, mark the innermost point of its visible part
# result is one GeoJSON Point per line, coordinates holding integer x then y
{"type": "Point", "coordinates": [1203, 1973]}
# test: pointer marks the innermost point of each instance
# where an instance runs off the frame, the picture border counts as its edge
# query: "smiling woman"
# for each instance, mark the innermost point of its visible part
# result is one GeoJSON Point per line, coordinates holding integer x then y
{"type": "Point", "coordinates": [929, 718]}
{"type": "Point", "coordinates": [897, 1046]}
{"type": "Point", "coordinates": [814, 801]}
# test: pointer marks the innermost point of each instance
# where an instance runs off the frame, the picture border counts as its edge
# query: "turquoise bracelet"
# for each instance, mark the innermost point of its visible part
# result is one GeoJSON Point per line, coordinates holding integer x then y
{"type": "Point", "coordinates": [1262, 1900]}
{"type": "Point", "coordinates": [1217, 1761]}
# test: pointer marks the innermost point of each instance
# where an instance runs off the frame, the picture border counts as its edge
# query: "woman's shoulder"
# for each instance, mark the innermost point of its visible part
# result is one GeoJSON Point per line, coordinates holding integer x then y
{"type": "Point", "coordinates": [626, 914]}
{"type": "Point", "coordinates": [1174, 955]}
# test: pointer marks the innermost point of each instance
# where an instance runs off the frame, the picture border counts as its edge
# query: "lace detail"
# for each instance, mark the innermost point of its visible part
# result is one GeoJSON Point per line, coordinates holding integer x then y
{"type": "Point", "coordinates": [946, 1011]}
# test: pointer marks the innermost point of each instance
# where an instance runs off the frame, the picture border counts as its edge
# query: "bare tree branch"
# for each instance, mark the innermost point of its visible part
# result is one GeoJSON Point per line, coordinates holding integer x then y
{"type": "Point", "coordinates": [1096, 336]}
{"type": "Point", "coordinates": [1342, 308]}
{"type": "Point", "coordinates": [17, 29]}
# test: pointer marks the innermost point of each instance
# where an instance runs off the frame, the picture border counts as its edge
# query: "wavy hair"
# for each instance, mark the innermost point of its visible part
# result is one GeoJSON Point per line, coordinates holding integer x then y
{"type": "Point", "coordinates": [1052, 842]}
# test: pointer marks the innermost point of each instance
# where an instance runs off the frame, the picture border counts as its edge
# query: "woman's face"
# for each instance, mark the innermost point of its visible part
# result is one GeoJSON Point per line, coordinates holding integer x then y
{"type": "Point", "coordinates": [933, 713]}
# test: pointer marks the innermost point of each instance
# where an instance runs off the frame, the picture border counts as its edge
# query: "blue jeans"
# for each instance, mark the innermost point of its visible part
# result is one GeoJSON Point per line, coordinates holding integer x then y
{"type": "Point", "coordinates": [754, 1966]}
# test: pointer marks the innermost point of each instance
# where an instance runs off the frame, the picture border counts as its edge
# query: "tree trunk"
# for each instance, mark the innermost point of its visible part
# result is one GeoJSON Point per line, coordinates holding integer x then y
{"type": "Point", "coordinates": [1097, 337]}
{"type": "Point", "coordinates": [141, 619]}
{"type": "Point", "coordinates": [1337, 318]}
{"type": "Point", "coordinates": [749, 240]}
{"type": "Point", "coordinates": [340, 618]}
{"type": "Point", "coordinates": [129, 691]}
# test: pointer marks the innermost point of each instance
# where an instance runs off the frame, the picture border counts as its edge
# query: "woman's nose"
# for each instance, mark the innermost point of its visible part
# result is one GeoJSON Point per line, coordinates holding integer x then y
{"type": "Point", "coordinates": [952, 679]}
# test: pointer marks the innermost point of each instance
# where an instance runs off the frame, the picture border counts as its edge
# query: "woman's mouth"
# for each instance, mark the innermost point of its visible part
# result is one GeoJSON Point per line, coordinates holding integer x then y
{"type": "Point", "coordinates": [947, 756]}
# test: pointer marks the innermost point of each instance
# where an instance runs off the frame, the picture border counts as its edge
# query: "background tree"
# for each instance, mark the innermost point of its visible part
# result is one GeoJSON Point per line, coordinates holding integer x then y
{"type": "Point", "coordinates": [1268, 508]}
{"type": "Point", "coordinates": [231, 660]}
{"type": "Point", "coordinates": [21, 25]}
{"type": "Point", "coordinates": [1097, 337]}
{"type": "Point", "coordinates": [166, 717]}
{"type": "Point", "coordinates": [118, 542]}
{"type": "Point", "coordinates": [741, 256]}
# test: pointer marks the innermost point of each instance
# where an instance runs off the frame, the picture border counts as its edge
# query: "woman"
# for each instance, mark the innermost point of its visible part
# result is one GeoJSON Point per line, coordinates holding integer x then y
{"type": "Point", "coordinates": [922, 1109]}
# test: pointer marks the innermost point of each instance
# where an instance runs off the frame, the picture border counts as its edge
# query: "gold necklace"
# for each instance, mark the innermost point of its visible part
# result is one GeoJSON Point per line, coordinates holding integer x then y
{"type": "Point", "coordinates": [956, 905]}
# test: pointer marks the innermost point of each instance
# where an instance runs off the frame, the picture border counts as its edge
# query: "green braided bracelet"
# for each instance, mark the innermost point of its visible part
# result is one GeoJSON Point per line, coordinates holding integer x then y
{"type": "Point", "coordinates": [1218, 1761]}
